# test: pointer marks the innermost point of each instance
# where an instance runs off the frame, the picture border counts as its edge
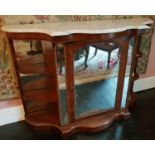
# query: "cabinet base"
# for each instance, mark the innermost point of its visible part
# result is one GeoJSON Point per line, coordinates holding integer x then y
{"type": "Point", "coordinates": [91, 124]}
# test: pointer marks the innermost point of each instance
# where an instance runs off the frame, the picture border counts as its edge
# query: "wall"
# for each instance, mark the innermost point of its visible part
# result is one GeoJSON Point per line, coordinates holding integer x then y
{"type": "Point", "coordinates": [151, 63]}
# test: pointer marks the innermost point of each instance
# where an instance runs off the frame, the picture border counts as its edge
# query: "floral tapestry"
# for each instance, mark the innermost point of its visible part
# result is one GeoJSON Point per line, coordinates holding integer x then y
{"type": "Point", "coordinates": [8, 84]}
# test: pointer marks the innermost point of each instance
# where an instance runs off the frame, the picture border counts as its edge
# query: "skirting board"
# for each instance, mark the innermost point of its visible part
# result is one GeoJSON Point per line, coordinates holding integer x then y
{"type": "Point", "coordinates": [16, 114]}
{"type": "Point", "coordinates": [144, 84]}
{"type": "Point", "coordinates": [11, 115]}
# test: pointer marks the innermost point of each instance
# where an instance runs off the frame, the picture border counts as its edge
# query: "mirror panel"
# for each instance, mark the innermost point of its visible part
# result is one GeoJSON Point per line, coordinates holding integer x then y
{"type": "Point", "coordinates": [96, 69]}
{"type": "Point", "coordinates": [61, 69]}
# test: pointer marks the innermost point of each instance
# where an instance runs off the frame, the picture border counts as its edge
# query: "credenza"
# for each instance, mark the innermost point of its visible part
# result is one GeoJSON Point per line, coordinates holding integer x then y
{"type": "Point", "coordinates": [80, 98]}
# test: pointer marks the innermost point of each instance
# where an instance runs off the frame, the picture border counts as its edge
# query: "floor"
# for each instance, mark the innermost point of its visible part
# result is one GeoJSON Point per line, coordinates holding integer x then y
{"type": "Point", "coordinates": [141, 125]}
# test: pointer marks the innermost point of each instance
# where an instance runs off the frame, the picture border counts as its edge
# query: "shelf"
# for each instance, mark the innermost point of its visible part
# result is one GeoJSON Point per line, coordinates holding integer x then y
{"type": "Point", "coordinates": [31, 60]}
{"type": "Point", "coordinates": [46, 117]}
{"type": "Point", "coordinates": [33, 69]}
{"type": "Point", "coordinates": [39, 95]}
{"type": "Point", "coordinates": [34, 82]}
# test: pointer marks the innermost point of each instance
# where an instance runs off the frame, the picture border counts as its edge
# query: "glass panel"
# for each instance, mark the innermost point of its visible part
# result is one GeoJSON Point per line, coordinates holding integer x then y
{"type": "Point", "coordinates": [62, 83]}
{"type": "Point", "coordinates": [96, 75]}
{"type": "Point", "coordinates": [127, 73]}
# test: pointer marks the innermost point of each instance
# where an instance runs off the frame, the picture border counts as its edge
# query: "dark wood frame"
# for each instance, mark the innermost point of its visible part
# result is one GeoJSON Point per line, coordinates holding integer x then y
{"type": "Point", "coordinates": [72, 42]}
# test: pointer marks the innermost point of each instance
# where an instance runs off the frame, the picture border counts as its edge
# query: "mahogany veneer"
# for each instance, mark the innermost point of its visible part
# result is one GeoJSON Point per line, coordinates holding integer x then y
{"type": "Point", "coordinates": [41, 95]}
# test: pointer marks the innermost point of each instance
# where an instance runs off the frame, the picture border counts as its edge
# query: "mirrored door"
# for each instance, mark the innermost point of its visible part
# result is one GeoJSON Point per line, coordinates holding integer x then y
{"type": "Point", "coordinates": [96, 69]}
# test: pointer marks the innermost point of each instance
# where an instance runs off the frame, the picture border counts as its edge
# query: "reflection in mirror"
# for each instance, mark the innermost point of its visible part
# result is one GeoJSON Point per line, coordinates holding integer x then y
{"type": "Point", "coordinates": [96, 74]}
{"type": "Point", "coordinates": [62, 83]}
{"type": "Point", "coordinates": [27, 48]}
{"type": "Point", "coordinates": [127, 73]}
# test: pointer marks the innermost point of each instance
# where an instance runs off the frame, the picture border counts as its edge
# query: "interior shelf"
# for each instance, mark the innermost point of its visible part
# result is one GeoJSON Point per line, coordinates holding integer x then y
{"type": "Point", "coordinates": [45, 117]}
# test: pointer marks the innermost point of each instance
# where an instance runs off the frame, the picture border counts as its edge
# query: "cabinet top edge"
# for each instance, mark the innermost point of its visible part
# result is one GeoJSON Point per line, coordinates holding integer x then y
{"type": "Point", "coordinates": [88, 27]}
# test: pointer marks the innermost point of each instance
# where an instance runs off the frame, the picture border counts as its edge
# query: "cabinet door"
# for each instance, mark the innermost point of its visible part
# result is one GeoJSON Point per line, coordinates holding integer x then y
{"type": "Point", "coordinates": [96, 74]}
{"type": "Point", "coordinates": [96, 69]}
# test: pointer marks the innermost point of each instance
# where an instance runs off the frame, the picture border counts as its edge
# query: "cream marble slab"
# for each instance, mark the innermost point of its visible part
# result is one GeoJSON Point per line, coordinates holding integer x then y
{"type": "Point", "coordinates": [91, 27]}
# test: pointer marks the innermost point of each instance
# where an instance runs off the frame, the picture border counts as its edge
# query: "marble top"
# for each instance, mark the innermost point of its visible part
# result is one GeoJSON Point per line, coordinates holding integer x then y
{"type": "Point", "coordinates": [90, 27]}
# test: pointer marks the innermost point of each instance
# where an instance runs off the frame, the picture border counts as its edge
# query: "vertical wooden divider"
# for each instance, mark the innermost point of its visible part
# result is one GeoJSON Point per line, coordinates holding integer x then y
{"type": "Point", "coordinates": [49, 53]}
{"type": "Point", "coordinates": [136, 54]}
{"type": "Point", "coordinates": [124, 42]}
{"type": "Point", "coordinates": [69, 59]}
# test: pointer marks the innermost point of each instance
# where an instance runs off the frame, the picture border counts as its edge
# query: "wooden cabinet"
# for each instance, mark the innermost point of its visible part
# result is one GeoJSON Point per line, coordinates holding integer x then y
{"type": "Point", "coordinates": [81, 97]}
